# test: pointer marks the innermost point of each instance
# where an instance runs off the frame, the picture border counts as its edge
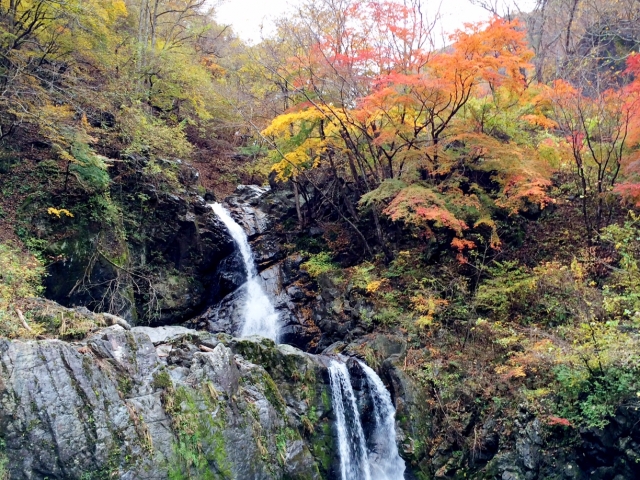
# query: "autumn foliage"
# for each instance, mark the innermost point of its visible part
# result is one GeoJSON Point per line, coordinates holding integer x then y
{"type": "Point", "coordinates": [419, 135]}
{"type": "Point", "coordinates": [630, 187]}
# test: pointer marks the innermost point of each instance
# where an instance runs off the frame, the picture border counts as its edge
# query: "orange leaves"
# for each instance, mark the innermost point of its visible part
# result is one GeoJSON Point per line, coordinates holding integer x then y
{"type": "Point", "coordinates": [496, 54]}
{"type": "Point", "coordinates": [520, 190]}
{"type": "Point", "coordinates": [419, 206]}
{"type": "Point", "coordinates": [633, 65]}
{"type": "Point", "coordinates": [558, 421]}
{"type": "Point", "coordinates": [414, 125]}
{"type": "Point", "coordinates": [602, 128]}
{"type": "Point", "coordinates": [539, 121]}
{"type": "Point", "coordinates": [460, 245]}
{"type": "Point", "coordinates": [630, 188]}
{"type": "Point", "coordinates": [630, 191]}
{"type": "Point", "coordinates": [441, 218]}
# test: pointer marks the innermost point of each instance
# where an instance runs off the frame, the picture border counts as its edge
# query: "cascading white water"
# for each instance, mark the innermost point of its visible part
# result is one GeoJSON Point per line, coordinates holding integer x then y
{"type": "Point", "coordinates": [354, 463]}
{"type": "Point", "coordinates": [385, 462]}
{"type": "Point", "coordinates": [260, 317]}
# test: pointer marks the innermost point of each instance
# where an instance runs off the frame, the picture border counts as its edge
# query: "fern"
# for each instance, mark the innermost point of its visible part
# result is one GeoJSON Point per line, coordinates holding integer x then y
{"type": "Point", "coordinates": [89, 168]}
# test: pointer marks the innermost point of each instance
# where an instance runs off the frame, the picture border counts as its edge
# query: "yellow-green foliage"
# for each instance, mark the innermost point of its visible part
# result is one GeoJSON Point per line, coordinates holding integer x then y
{"type": "Point", "coordinates": [150, 136]}
{"type": "Point", "coordinates": [20, 277]}
{"type": "Point", "coordinates": [319, 264]}
{"type": "Point", "coordinates": [585, 367]}
{"type": "Point", "coordinates": [47, 318]}
{"type": "Point", "coordinates": [599, 373]}
{"type": "Point", "coordinates": [622, 294]}
{"type": "Point", "coordinates": [200, 450]}
{"type": "Point", "coordinates": [20, 285]}
{"type": "Point", "coordinates": [4, 474]}
{"type": "Point", "coordinates": [549, 294]}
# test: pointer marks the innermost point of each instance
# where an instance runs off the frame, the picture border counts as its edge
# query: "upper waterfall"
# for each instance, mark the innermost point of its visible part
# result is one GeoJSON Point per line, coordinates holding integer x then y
{"type": "Point", "coordinates": [260, 316]}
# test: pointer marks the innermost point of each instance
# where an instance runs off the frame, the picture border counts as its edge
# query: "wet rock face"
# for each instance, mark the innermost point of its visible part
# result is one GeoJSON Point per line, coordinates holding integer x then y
{"type": "Point", "coordinates": [158, 266]}
{"type": "Point", "coordinates": [145, 403]}
{"type": "Point", "coordinates": [614, 449]}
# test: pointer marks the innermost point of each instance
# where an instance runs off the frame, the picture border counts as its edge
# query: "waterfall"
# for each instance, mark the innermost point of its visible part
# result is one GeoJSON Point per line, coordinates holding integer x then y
{"type": "Point", "coordinates": [354, 463]}
{"type": "Point", "coordinates": [385, 462]}
{"type": "Point", "coordinates": [260, 316]}
{"type": "Point", "coordinates": [382, 461]}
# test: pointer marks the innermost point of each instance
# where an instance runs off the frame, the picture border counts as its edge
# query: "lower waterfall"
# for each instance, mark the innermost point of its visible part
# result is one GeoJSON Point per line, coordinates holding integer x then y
{"type": "Point", "coordinates": [260, 317]}
{"type": "Point", "coordinates": [386, 463]}
{"type": "Point", "coordinates": [354, 462]}
{"type": "Point", "coordinates": [382, 461]}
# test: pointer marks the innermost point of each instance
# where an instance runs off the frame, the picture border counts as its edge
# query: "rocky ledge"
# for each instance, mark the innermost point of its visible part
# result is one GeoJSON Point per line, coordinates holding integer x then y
{"type": "Point", "coordinates": [163, 403]}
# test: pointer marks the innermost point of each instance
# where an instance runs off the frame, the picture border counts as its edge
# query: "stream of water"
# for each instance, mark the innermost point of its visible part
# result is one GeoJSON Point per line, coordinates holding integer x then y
{"type": "Point", "coordinates": [354, 461]}
{"type": "Point", "coordinates": [260, 317]}
{"type": "Point", "coordinates": [381, 460]}
{"type": "Point", "coordinates": [385, 461]}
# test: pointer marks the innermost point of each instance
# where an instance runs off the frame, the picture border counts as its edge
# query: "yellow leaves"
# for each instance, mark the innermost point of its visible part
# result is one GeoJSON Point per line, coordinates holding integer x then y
{"type": "Point", "coordinates": [538, 393]}
{"type": "Point", "coordinates": [118, 8]}
{"type": "Point", "coordinates": [284, 125]}
{"type": "Point", "coordinates": [578, 270]}
{"type": "Point", "coordinates": [58, 213]}
{"type": "Point", "coordinates": [427, 305]}
{"type": "Point", "coordinates": [51, 118]}
{"type": "Point", "coordinates": [302, 137]}
{"type": "Point", "coordinates": [509, 372]}
{"type": "Point", "coordinates": [374, 285]}
{"type": "Point", "coordinates": [307, 155]}
{"type": "Point", "coordinates": [543, 346]}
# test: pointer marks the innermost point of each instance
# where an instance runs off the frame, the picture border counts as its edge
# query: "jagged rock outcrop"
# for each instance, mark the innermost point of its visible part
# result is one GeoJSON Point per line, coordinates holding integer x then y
{"type": "Point", "coordinates": [147, 251]}
{"type": "Point", "coordinates": [163, 403]}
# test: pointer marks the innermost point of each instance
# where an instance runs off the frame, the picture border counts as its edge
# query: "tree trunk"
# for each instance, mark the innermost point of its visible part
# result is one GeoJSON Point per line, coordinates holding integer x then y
{"type": "Point", "coordinates": [296, 196]}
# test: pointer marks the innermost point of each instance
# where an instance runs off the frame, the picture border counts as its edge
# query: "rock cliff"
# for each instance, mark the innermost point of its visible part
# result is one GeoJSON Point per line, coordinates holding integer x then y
{"type": "Point", "coordinates": [163, 403]}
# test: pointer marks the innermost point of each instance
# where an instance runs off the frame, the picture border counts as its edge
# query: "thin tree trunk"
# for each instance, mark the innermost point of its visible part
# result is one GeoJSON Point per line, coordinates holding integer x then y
{"type": "Point", "coordinates": [296, 196]}
{"type": "Point", "coordinates": [153, 20]}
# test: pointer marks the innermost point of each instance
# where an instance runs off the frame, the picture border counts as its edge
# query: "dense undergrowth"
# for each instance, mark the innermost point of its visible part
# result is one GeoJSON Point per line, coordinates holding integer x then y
{"type": "Point", "coordinates": [490, 337]}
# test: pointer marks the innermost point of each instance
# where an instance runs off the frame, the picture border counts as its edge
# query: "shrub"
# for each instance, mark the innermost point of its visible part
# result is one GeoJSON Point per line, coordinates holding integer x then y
{"type": "Point", "coordinates": [151, 136]}
{"type": "Point", "coordinates": [20, 277]}
{"type": "Point", "coordinates": [4, 474]}
{"type": "Point", "coordinates": [590, 397]}
{"type": "Point", "coordinates": [622, 294]}
{"type": "Point", "coordinates": [319, 264]}
{"type": "Point", "coordinates": [89, 168]}
{"type": "Point", "coordinates": [549, 294]}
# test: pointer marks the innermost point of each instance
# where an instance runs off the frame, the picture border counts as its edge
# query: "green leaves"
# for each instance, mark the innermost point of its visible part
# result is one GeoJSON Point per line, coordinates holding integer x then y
{"type": "Point", "coordinates": [590, 398]}
{"type": "Point", "coordinates": [89, 168]}
{"type": "Point", "coordinates": [386, 191]}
